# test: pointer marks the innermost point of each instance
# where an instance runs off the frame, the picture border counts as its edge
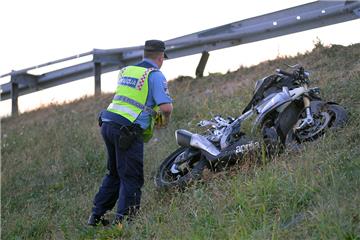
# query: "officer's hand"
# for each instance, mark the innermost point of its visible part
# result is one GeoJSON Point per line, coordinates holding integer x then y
{"type": "Point", "coordinates": [161, 121]}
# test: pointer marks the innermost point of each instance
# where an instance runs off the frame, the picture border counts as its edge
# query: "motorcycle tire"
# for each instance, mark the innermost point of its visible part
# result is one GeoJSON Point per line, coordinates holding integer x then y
{"type": "Point", "coordinates": [164, 178]}
{"type": "Point", "coordinates": [334, 114]}
{"type": "Point", "coordinates": [338, 115]}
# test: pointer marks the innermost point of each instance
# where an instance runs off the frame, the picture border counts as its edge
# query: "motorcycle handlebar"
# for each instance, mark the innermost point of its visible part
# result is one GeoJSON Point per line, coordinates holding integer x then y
{"type": "Point", "coordinates": [284, 72]}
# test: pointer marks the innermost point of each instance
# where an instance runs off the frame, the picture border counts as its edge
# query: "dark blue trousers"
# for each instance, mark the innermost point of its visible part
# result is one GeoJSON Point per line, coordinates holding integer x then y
{"type": "Point", "coordinates": [125, 178]}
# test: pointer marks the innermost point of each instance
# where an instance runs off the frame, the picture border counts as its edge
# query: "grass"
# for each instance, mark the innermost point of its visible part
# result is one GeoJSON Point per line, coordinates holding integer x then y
{"type": "Point", "coordinates": [53, 160]}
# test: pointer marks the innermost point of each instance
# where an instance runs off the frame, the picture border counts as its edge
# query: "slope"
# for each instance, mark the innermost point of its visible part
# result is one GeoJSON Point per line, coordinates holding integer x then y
{"type": "Point", "coordinates": [53, 160]}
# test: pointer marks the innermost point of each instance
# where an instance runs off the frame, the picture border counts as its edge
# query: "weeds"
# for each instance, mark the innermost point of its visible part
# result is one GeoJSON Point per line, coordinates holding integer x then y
{"type": "Point", "coordinates": [53, 160]}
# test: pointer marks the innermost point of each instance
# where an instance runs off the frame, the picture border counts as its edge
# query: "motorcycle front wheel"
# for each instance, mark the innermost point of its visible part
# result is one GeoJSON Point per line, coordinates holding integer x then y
{"type": "Point", "coordinates": [325, 115]}
{"type": "Point", "coordinates": [171, 173]}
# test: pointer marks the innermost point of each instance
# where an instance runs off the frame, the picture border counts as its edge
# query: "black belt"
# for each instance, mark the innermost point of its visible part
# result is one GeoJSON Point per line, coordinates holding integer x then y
{"type": "Point", "coordinates": [132, 127]}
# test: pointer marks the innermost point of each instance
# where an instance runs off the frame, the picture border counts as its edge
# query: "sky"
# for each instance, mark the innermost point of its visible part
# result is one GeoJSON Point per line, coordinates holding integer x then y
{"type": "Point", "coordinates": [38, 31]}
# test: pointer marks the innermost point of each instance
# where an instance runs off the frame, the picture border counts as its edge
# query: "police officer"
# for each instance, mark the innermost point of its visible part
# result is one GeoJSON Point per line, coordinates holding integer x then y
{"type": "Point", "coordinates": [141, 101]}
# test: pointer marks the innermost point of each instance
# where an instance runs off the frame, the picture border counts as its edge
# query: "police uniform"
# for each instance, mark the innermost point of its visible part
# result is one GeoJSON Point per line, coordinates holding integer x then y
{"type": "Point", "coordinates": [141, 89]}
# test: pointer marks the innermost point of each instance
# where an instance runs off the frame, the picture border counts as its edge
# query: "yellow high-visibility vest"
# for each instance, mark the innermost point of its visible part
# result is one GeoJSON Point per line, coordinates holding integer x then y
{"type": "Point", "coordinates": [131, 94]}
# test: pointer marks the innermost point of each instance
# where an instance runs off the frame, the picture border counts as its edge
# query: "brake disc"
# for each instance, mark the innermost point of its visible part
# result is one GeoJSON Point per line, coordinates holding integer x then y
{"type": "Point", "coordinates": [321, 121]}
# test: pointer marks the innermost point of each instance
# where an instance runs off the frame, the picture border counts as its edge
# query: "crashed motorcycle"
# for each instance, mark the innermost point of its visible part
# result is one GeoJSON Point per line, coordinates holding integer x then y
{"type": "Point", "coordinates": [285, 112]}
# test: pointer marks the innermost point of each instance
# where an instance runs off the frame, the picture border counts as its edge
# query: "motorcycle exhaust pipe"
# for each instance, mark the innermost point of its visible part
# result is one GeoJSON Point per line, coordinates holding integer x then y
{"type": "Point", "coordinates": [187, 139]}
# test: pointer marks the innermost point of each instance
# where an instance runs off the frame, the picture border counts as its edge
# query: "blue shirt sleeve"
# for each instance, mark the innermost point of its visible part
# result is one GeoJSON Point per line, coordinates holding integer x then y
{"type": "Point", "coordinates": [159, 88]}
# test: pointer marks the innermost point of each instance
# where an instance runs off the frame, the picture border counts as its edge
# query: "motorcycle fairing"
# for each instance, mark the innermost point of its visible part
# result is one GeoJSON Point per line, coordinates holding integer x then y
{"type": "Point", "coordinates": [238, 149]}
{"type": "Point", "coordinates": [210, 152]}
{"type": "Point", "coordinates": [267, 86]}
{"type": "Point", "coordinates": [270, 103]}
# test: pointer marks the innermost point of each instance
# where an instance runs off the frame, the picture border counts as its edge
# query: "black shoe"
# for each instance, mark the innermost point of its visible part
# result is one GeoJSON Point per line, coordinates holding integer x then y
{"type": "Point", "coordinates": [118, 220]}
{"type": "Point", "coordinates": [95, 220]}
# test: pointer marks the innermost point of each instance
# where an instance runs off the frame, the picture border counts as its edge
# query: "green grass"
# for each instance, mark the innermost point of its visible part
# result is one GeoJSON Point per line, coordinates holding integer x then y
{"type": "Point", "coordinates": [53, 160]}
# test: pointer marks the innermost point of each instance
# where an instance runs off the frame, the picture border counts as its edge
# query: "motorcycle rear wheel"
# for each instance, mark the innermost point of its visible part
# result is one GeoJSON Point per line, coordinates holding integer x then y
{"type": "Point", "coordinates": [166, 178]}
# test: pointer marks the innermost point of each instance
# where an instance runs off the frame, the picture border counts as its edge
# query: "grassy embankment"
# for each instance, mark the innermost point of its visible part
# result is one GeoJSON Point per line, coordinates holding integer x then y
{"type": "Point", "coordinates": [53, 160]}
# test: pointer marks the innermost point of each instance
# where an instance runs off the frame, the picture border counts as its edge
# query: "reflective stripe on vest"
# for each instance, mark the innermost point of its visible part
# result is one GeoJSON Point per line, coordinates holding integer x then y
{"type": "Point", "coordinates": [123, 109]}
{"type": "Point", "coordinates": [145, 108]}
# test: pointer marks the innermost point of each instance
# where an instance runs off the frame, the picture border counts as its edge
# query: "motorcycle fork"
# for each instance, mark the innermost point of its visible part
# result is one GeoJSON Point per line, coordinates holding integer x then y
{"type": "Point", "coordinates": [306, 100]}
{"type": "Point", "coordinates": [308, 120]}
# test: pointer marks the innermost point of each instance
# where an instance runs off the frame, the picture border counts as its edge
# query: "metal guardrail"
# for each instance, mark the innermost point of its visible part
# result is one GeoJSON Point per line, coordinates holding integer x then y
{"type": "Point", "coordinates": [287, 21]}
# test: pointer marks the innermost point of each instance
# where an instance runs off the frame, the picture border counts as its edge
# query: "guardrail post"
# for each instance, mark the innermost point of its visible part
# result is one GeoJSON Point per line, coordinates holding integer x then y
{"type": "Point", "coordinates": [202, 63]}
{"type": "Point", "coordinates": [97, 75]}
{"type": "Point", "coordinates": [14, 98]}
